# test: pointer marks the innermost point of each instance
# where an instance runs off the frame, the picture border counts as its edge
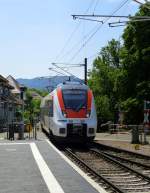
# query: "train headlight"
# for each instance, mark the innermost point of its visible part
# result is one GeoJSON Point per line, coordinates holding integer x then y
{"type": "Point", "coordinates": [88, 114]}
{"type": "Point", "coordinates": [64, 114]}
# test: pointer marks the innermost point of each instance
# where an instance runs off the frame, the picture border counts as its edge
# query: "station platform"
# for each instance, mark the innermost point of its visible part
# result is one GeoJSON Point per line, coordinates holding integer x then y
{"type": "Point", "coordinates": [36, 166]}
{"type": "Point", "coordinates": [123, 141]}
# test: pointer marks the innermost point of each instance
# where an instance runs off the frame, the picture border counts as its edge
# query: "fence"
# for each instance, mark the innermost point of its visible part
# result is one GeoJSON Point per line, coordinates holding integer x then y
{"type": "Point", "coordinates": [139, 134]}
{"type": "Point", "coordinates": [18, 130]}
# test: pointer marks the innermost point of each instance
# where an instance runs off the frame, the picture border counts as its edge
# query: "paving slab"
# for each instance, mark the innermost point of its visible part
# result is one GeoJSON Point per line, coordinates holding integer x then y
{"type": "Point", "coordinates": [18, 171]}
{"type": "Point", "coordinates": [69, 179]}
{"type": "Point", "coordinates": [123, 140]}
{"type": "Point", "coordinates": [35, 166]}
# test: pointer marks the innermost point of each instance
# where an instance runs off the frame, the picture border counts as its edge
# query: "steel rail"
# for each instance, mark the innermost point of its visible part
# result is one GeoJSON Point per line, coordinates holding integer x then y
{"type": "Point", "coordinates": [121, 164]}
{"type": "Point", "coordinates": [100, 145]}
{"type": "Point", "coordinates": [128, 160]}
{"type": "Point", "coordinates": [94, 172]}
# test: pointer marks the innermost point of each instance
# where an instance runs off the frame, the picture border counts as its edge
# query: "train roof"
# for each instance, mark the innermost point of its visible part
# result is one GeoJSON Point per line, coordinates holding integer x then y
{"type": "Point", "coordinates": [72, 85]}
{"type": "Point", "coordinates": [64, 86]}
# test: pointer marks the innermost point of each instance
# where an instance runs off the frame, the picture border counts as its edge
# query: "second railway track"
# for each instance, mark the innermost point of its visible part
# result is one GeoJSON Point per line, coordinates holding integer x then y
{"type": "Point", "coordinates": [114, 174]}
{"type": "Point", "coordinates": [130, 155]}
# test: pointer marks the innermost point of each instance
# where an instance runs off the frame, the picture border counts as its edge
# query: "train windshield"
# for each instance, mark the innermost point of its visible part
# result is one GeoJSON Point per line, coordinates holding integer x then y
{"type": "Point", "coordinates": [75, 99]}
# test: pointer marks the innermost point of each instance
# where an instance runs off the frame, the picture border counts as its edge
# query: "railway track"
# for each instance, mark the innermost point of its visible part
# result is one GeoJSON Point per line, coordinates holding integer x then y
{"type": "Point", "coordinates": [132, 157]}
{"type": "Point", "coordinates": [116, 170]}
{"type": "Point", "coordinates": [110, 172]}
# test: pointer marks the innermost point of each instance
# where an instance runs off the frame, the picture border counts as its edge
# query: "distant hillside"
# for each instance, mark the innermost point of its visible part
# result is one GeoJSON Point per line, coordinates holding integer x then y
{"type": "Point", "coordinates": [44, 83]}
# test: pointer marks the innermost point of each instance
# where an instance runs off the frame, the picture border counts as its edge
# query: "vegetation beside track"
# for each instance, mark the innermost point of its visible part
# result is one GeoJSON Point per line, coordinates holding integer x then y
{"type": "Point", "coordinates": [120, 78]}
{"type": "Point", "coordinates": [32, 104]}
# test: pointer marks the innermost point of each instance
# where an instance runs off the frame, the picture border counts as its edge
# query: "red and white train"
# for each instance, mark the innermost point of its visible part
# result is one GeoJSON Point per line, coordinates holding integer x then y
{"type": "Point", "coordinates": [68, 113]}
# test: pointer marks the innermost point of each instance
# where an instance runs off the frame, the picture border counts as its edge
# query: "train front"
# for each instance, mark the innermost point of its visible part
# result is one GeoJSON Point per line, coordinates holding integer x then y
{"type": "Point", "coordinates": [76, 118]}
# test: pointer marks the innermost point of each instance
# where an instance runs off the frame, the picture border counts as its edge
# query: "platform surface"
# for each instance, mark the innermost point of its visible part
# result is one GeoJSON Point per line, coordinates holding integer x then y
{"type": "Point", "coordinates": [37, 167]}
{"type": "Point", "coordinates": [123, 140]}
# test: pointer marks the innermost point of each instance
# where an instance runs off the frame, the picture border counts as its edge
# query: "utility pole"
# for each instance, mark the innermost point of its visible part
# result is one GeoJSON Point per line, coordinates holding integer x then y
{"type": "Point", "coordinates": [85, 71]}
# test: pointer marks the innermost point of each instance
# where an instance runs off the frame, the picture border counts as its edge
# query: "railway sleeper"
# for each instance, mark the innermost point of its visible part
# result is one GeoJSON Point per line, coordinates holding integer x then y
{"type": "Point", "coordinates": [116, 177]}
{"type": "Point", "coordinates": [116, 174]}
{"type": "Point", "coordinates": [140, 191]}
{"type": "Point", "coordinates": [136, 189]}
{"type": "Point", "coordinates": [134, 185]}
{"type": "Point", "coordinates": [146, 171]}
{"type": "Point", "coordinates": [128, 181]}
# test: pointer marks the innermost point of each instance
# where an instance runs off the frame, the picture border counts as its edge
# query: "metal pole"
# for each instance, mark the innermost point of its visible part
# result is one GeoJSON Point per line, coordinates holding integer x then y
{"type": "Point", "coordinates": [29, 130]}
{"type": "Point", "coordinates": [35, 133]}
{"type": "Point", "coordinates": [85, 71]}
{"type": "Point", "coordinates": [33, 127]}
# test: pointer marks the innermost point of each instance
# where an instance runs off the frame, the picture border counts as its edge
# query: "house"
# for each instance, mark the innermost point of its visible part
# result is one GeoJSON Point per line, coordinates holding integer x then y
{"type": "Point", "coordinates": [18, 93]}
{"type": "Point", "coordinates": [11, 99]}
{"type": "Point", "coordinates": [18, 90]}
{"type": "Point", "coordinates": [6, 103]}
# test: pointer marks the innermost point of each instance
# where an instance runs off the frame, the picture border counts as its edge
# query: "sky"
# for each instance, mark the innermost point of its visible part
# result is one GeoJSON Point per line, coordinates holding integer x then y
{"type": "Point", "coordinates": [36, 33]}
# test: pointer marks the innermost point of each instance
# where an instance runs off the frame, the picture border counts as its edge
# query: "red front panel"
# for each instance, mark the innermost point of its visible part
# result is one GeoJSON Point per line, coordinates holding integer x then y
{"type": "Point", "coordinates": [60, 99]}
{"type": "Point", "coordinates": [89, 102]}
{"type": "Point", "coordinates": [76, 114]}
{"type": "Point", "coordinates": [82, 113]}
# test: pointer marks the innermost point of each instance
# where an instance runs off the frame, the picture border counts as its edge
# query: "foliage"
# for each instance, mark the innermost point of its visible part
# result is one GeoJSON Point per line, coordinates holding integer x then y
{"type": "Point", "coordinates": [120, 78]}
{"type": "Point", "coordinates": [132, 111]}
{"type": "Point", "coordinates": [42, 93]}
{"type": "Point", "coordinates": [32, 105]}
{"type": "Point", "coordinates": [136, 58]}
{"type": "Point", "coordinates": [103, 107]}
{"type": "Point", "coordinates": [103, 80]}
{"type": "Point", "coordinates": [136, 63]}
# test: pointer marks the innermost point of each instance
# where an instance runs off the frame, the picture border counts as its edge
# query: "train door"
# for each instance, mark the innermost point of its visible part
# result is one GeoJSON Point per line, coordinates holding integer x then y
{"type": "Point", "coordinates": [51, 113]}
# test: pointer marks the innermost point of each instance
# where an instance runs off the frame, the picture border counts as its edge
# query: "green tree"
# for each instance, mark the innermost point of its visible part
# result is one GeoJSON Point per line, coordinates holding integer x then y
{"type": "Point", "coordinates": [135, 57]}
{"type": "Point", "coordinates": [103, 79]}
{"type": "Point", "coordinates": [120, 78]}
{"type": "Point", "coordinates": [32, 105]}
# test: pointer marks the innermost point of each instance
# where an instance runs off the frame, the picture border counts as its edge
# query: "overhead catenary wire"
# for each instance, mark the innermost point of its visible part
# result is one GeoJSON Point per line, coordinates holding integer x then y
{"type": "Point", "coordinates": [88, 19]}
{"type": "Point", "coordinates": [144, 5]}
{"type": "Point", "coordinates": [93, 55]}
{"type": "Point", "coordinates": [70, 65]}
{"type": "Point", "coordinates": [89, 36]}
{"type": "Point", "coordinates": [91, 31]}
{"type": "Point", "coordinates": [82, 39]}
{"type": "Point", "coordinates": [123, 23]}
{"type": "Point", "coordinates": [97, 29]}
{"type": "Point", "coordinates": [96, 4]}
{"type": "Point", "coordinates": [110, 16]}
{"type": "Point", "coordinates": [71, 35]}
{"type": "Point", "coordinates": [120, 23]}
{"type": "Point", "coordinates": [79, 42]}
{"type": "Point", "coordinates": [57, 71]}
{"type": "Point", "coordinates": [140, 18]}
{"type": "Point", "coordinates": [97, 54]}
{"type": "Point", "coordinates": [65, 71]}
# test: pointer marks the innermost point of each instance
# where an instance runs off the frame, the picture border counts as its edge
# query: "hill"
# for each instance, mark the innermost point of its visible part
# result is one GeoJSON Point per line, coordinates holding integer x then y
{"type": "Point", "coordinates": [44, 83]}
